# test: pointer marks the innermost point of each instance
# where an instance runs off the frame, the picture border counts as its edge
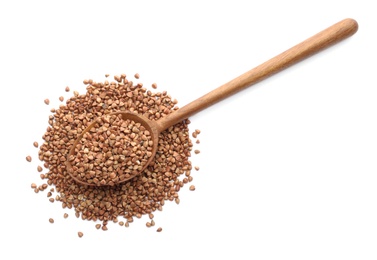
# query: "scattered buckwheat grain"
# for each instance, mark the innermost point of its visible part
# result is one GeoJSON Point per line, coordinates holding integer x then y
{"type": "Point", "coordinates": [113, 149]}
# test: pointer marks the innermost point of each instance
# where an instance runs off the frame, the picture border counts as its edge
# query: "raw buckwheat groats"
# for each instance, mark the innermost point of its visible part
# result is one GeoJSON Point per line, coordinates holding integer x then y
{"type": "Point", "coordinates": [113, 149]}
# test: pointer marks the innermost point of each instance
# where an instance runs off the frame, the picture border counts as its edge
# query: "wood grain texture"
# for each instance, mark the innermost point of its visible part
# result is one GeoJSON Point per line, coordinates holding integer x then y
{"type": "Point", "coordinates": [297, 53]}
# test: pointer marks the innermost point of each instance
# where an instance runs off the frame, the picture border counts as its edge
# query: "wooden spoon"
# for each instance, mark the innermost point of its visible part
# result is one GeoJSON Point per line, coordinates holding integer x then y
{"type": "Point", "coordinates": [310, 46]}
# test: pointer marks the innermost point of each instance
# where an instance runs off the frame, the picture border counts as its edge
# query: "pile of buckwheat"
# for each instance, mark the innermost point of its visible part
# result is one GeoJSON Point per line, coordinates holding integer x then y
{"type": "Point", "coordinates": [101, 154]}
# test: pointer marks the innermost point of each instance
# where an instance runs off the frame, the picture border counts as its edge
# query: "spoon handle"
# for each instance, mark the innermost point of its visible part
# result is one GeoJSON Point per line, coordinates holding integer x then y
{"type": "Point", "coordinates": [310, 46]}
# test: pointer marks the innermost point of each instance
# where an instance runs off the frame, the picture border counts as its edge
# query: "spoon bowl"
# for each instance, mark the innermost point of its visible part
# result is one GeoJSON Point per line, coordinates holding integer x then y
{"type": "Point", "coordinates": [149, 125]}
{"type": "Point", "coordinates": [307, 48]}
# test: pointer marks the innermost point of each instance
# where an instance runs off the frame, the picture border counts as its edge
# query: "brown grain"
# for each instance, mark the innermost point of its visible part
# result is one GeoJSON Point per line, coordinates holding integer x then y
{"type": "Point", "coordinates": [159, 229]}
{"type": "Point", "coordinates": [28, 158]}
{"type": "Point", "coordinates": [47, 101]}
{"type": "Point", "coordinates": [67, 89]}
{"type": "Point", "coordinates": [80, 234]}
{"type": "Point", "coordinates": [100, 153]}
{"type": "Point", "coordinates": [192, 188]}
{"type": "Point", "coordinates": [51, 220]}
{"type": "Point", "coordinates": [35, 144]}
{"type": "Point", "coordinates": [117, 78]}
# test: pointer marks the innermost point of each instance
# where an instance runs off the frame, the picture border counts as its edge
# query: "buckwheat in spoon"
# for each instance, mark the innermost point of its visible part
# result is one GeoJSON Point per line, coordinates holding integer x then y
{"type": "Point", "coordinates": [128, 142]}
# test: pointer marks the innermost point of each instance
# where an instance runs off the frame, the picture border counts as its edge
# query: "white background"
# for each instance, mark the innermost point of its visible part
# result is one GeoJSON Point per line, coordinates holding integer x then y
{"type": "Point", "coordinates": [288, 167]}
